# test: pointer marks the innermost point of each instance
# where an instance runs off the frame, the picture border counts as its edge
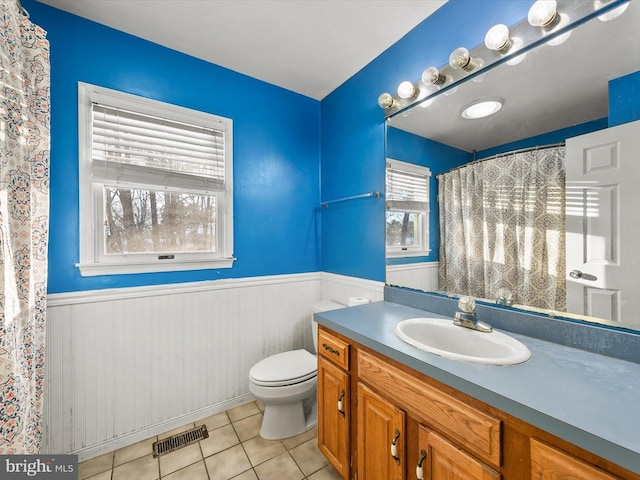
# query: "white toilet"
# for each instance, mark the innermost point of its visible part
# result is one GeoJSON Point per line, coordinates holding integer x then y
{"type": "Point", "coordinates": [286, 384]}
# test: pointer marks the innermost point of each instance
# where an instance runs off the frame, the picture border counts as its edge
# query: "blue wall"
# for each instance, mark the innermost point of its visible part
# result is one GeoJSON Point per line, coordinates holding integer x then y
{"type": "Point", "coordinates": [624, 99]}
{"type": "Point", "coordinates": [353, 136]}
{"type": "Point", "coordinates": [276, 149]}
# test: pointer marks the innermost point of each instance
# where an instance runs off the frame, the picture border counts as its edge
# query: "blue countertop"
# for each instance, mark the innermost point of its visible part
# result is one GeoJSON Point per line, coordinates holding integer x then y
{"type": "Point", "coordinates": [590, 400]}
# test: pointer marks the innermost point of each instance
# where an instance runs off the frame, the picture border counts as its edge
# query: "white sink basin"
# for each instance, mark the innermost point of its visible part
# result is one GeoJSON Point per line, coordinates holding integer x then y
{"type": "Point", "coordinates": [442, 337]}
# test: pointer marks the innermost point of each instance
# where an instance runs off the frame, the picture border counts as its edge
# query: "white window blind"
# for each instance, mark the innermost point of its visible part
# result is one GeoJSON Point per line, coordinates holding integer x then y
{"type": "Point", "coordinates": [130, 148]}
{"type": "Point", "coordinates": [407, 187]}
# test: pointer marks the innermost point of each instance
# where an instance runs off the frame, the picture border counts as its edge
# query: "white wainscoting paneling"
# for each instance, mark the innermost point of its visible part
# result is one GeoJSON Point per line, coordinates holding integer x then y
{"type": "Point", "coordinates": [421, 276]}
{"type": "Point", "coordinates": [339, 288]}
{"type": "Point", "coordinates": [127, 364]}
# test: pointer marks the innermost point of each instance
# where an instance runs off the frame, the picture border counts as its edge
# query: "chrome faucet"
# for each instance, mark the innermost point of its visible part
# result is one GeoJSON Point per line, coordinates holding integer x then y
{"type": "Point", "coordinates": [467, 316]}
{"type": "Point", "coordinates": [505, 297]}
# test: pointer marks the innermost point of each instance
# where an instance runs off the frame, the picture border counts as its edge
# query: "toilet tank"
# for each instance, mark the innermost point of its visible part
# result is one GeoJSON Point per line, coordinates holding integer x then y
{"type": "Point", "coordinates": [318, 307]}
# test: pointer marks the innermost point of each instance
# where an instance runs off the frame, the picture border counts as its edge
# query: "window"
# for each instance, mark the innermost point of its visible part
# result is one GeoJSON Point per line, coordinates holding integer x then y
{"type": "Point", "coordinates": [407, 209]}
{"type": "Point", "coordinates": [156, 190]}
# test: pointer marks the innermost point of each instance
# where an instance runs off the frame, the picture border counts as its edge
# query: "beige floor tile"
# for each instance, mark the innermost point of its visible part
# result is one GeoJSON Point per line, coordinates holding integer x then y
{"type": "Point", "coordinates": [308, 457]}
{"type": "Point", "coordinates": [248, 427]}
{"type": "Point", "coordinates": [228, 463]}
{"type": "Point", "coordinates": [134, 451]}
{"type": "Point", "coordinates": [145, 468]}
{"type": "Point", "coordinates": [101, 476]}
{"type": "Point", "coordinates": [176, 431]}
{"type": "Point", "coordinates": [219, 439]}
{"type": "Point", "coordinates": [291, 442]}
{"type": "Point", "coordinates": [197, 471]}
{"type": "Point", "coordinates": [281, 467]}
{"type": "Point", "coordinates": [179, 459]}
{"type": "Point", "coordinates": [327, 473]}
{"type": "Point", "coordinates": [260, 450]}
{"type": "Point", "coordinates": [95, 465]}
{"type": "Point", "coordinates": [248, 475]}
{"type": "Point", "coordinates": [215, 421]}
{"type": "Point", "coordinates": [243, 411]}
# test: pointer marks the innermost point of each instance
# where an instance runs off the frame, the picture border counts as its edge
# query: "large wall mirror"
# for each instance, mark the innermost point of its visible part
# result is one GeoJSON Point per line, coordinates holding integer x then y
{"type": "Point", "coordinates": [582, 87]}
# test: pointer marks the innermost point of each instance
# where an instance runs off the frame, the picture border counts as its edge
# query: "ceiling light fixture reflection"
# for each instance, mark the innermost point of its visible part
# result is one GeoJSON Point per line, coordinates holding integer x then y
{"type": "Point", "coordinates": [517, 45]}
{"type": "Point", "coordinates": [611, 14]}
{"type": "Point", "coordinates": [460, 58]}
{"type": "Point", "coordinates": [560, 39]}
{"type": "Point", "coordinates": [482, 108]}
{"type": "Point", "coordinates": [542, 13]}
{"type": "Point", "coordinates": [432, 76]}
{"type": "Point", "coordinates": [497, 38]}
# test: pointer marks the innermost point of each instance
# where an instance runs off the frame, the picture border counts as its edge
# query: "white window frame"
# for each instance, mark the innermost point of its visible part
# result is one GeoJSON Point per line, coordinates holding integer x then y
{"type": "Point", "coordinates": [92, 262]}
{"type": "Point", "coordinates": [422, 209]}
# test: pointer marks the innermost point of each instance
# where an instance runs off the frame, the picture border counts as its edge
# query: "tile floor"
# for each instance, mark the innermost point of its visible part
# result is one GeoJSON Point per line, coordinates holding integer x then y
{"type": "Point", "coordinates": [234, 449]}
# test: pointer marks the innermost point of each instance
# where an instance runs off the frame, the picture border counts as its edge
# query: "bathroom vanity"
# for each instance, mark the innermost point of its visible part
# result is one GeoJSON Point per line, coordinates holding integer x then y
{"type": "Point", "coordinates": [387, 410]}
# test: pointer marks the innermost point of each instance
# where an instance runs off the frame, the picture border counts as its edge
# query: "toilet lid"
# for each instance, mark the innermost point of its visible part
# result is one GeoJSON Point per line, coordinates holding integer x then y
{"type": "Point", "coordinates": [284, 368]}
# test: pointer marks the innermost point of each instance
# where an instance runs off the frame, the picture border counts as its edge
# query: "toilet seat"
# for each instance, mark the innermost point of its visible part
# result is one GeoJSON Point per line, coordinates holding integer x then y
{"type": "Point", "coordinates": [285, 368]}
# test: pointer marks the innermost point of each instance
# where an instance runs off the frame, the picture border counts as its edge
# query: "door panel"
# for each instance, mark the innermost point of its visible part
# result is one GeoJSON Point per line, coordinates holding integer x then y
{"type": "Point", "coordinates": [380, 424]}
{"type": "Point", "coordinates": [601, 223]}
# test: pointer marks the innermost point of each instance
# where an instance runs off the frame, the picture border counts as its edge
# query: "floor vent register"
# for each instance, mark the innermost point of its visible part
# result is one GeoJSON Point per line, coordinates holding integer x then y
{"type": "Point", "coordinates": [174, 442]}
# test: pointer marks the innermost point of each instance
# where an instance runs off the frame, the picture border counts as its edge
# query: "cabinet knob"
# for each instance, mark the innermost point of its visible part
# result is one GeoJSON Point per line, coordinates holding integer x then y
{"type": "Point", "coordinates": [419, 471]}
{"type": "Point", "coordinates": [394, 446]}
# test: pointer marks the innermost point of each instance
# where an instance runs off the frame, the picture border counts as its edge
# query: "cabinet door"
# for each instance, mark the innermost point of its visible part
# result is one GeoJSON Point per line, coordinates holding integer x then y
{"type": "Point", "coordinates": [333, 415]}
{"type": "Point", "coordinates": [440, 460]}
{"type": "Point", "coordinates": [548, 463]}
{"type": "Point", "coordinates": [380, 437]}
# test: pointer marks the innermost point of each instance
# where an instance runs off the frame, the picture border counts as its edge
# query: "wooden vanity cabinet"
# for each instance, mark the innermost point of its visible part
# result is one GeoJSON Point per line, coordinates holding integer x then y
{"type": "Point", "coordinates": [439, 459]}
{"type": "Point", "coordinates": [549, 463]}
{"type": "Point", "coordinates": [334, 402]}
{"type": "Point", "coordinates": [397, 414]}
{"type": "Point", "coordinates": [381, 437]}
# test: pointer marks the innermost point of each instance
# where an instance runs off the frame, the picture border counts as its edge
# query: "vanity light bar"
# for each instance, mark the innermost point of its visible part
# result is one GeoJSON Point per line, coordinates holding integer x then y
{"type": "Point", "coordinates": [502, 47]}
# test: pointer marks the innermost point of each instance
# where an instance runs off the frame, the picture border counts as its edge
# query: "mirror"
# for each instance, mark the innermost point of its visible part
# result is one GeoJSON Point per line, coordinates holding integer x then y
{"type": "Point", "coordinates": [554, 92]}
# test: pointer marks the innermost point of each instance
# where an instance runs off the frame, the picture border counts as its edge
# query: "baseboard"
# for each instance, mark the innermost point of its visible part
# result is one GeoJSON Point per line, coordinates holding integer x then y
{"type": "Point", "coordinates": [126, 440]}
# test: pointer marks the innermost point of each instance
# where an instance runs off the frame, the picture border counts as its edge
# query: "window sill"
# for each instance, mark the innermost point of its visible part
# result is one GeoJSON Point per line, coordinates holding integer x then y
{"type": "Point", "coordinates": [95, 269]}
{"type": "Point", "coordinates": [407, 253]}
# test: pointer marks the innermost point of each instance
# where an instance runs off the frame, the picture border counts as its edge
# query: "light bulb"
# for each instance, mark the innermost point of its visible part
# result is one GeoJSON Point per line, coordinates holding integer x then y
{"type": "Point", "coordinates": [460, 58]}
{"type": "Point", "coordinates": [385, 100]}
{"type": "Point", "coordinates": [432, 76]}
{"type": "Point", "coordinates": [542, 13]}
{"type": "Point", "coordinates": [406, 90]}
{"type": "Point", "coordinates": [497, 38]}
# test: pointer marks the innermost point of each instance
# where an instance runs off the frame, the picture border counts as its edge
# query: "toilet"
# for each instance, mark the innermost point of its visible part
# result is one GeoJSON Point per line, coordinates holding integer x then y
{"type": "Point", "coordinates": [286, 384]}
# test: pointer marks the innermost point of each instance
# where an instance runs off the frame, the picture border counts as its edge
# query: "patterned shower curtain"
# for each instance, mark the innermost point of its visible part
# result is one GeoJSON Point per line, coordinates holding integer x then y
{"type": "Point", "coordinates": [24, 225]}
{"type": "Point", "coordinates": [502, 225]}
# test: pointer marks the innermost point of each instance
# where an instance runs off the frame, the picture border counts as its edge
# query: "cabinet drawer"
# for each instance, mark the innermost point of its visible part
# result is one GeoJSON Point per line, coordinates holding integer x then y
{"type": "Point", "coordinates": [333, 349]}
{"type": "Point", "coordinates": [476, 432]}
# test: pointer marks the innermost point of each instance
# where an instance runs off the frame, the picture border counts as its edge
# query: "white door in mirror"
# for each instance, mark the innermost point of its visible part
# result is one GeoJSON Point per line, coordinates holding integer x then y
{"type": "Point", "coordinates": [602, 225]}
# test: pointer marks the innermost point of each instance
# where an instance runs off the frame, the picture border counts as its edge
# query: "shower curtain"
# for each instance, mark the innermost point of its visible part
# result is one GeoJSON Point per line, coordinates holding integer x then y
{"type": "Point", "coordinates": [24, 225]}
{"type": "Point", "coordinates": [502, 225]}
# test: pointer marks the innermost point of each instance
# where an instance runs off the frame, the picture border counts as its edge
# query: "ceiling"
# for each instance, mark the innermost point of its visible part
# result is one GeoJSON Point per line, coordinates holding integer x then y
{"type": "Point", "coordinates": [308, 46]}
